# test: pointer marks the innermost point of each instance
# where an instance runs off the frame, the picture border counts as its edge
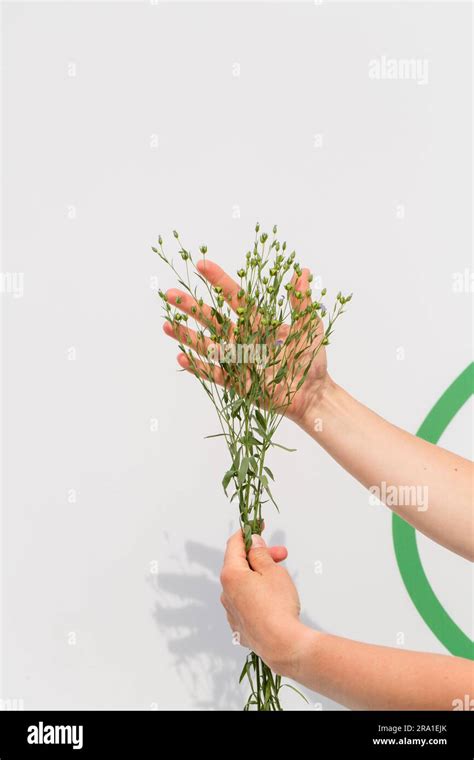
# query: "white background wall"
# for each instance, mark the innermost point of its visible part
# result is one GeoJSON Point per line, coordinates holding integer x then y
{"type": "Point", "coordinates": [86, 194]}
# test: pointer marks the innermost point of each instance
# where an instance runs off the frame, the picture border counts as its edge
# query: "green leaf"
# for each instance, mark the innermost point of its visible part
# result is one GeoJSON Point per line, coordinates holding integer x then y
{"type": "Point", "coordinates": [253, 463]}
{"type": "Point", "coordinates": [236, 406]}
{"type": "Point", "coordinates": [250, 440]}
{"type": "Point", "coordinates": [184, 285]}
{"type": "Point", "coordinates": [267, 489]}
{"type": "Point", "coordinates": [244, 466]}
{"type": "Point", "coordinates": [217, 315]}
{"type": "Point", "coordinates": [226, 479]}
{"type": "Point", "coordinates": [272, 443]}
{"type": "Point", "coordinates": [280, 375]}
{"type": "Point", "coordinates": [260, 419]}
{"type": "Point", "coordinates": [236, 462]}
{"type": "Point", "coordinates": [216, 435]}
{"type": "Point", "coordinates": [268, 470]}
{"type": "Point", "coordinates": [289, 686]}
{"type": "Point", "coordinates": [247, 537]}
{"type": "Point", "coordinates": [244, 672]}
{"type": "Point", "coordinates": [261, 431]}
{"type": "Point", "coordinates": [267, 692]}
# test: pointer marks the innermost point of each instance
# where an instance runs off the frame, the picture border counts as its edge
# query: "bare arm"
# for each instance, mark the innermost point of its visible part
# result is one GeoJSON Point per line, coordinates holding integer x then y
{"type": "Point", "coordinates": [369, 677]}
{"type": "Point", "coordinates": [426, 485]}
{"type": "Point", "coordinates": [429, 487]}
{"type": "Point", "coordinates": [262, 604]}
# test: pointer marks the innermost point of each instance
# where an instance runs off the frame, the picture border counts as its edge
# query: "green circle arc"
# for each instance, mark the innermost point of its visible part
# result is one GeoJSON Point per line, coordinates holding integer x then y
{"type": "Point", "coordinates": [409, 562]}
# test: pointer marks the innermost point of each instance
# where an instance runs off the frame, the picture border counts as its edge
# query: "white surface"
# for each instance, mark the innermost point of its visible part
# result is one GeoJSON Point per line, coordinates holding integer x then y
{"type": "Point", "coordinates": [162, 641]}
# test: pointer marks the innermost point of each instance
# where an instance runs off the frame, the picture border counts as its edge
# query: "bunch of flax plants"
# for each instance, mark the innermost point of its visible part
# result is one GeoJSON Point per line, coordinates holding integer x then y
{"type": "Point", "coordinates": [255, 361]}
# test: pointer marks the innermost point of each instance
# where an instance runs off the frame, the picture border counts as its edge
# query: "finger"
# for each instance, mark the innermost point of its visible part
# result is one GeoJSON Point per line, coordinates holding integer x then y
{"type": "Point", "coordinates": [218, 278]}
{"type": "Point", "coordinates": [189, 337]}
{"type": "Point", "coordinates": [207, 371]}
{"type": "Point", "coordinates": [186, 303]}
{"type": "Point", "coordinates": [235, 557]}
{"type": "Point", "coordinates": [259, 557]}
{"type": "Point", "coordinates": [278, 553]}
{"type": "Point", "coordinates": [301, 284]}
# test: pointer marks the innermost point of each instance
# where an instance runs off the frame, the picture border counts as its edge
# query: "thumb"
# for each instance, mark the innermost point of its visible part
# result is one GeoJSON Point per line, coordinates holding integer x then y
{"type": "Point", "coordinates": [259, 557]}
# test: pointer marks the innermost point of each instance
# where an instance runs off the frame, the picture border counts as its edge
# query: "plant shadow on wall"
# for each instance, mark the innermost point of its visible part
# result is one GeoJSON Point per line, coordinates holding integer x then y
{"type": "Point", "coordinates": [189, 614]}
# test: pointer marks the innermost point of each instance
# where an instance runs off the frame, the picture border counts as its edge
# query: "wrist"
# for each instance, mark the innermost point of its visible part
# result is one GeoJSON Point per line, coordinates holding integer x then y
{"type": "Point", "coordinates": [291, 652]}
{"type": "Point", "coordinates": [321, 407]}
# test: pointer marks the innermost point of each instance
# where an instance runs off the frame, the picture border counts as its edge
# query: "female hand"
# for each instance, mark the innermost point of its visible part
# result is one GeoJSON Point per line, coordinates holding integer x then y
{"type": "Point", "coordinates": [306, 397]}
{"type": "Point", "coordinates": [261, 601]}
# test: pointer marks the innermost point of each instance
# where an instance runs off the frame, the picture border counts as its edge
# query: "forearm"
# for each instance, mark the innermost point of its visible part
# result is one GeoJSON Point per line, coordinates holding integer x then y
{"type": "Point", "coordinates": [368, 677]}
{"type": "Point", "coordinates": [429, 487]}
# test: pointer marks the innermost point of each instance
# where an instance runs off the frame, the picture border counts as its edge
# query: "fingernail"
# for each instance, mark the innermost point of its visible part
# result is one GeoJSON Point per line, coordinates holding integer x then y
{"type": "Point", "coordinates": [257, 541]}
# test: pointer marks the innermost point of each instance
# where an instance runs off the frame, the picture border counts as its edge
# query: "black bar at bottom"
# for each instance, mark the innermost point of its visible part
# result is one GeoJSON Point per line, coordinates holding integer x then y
{"type": "Point", "coordinates": [107, 733]}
